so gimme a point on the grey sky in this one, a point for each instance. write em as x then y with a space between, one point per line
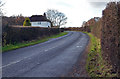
77 11
98 4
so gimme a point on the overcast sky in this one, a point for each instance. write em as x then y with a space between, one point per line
77 11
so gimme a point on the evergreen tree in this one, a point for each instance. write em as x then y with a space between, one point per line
27 22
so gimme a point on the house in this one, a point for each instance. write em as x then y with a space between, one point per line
92 21
96 18
40 20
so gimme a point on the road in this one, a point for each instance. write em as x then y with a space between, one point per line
53 58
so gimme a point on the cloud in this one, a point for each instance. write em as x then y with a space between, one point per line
64 4
102 0
98 4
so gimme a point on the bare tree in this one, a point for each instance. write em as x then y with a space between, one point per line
57 18
1 4
83 24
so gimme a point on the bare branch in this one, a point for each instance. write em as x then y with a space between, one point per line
56 17
1 4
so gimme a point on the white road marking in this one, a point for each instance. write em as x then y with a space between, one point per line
14 62
50 48
46 50
78 46
11 63
25 58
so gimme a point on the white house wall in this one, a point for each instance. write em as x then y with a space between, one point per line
41 24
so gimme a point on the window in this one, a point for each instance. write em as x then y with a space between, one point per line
39 23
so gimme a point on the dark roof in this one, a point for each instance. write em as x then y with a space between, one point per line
34 18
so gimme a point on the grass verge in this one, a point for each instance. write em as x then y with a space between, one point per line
28 43
96 66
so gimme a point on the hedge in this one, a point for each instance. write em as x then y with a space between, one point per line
12 35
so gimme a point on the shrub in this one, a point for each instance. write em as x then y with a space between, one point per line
27 22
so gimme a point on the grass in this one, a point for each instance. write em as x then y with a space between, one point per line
28 43
96 66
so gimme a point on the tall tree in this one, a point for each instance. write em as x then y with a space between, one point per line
57 18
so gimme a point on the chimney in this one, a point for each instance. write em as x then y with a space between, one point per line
44 14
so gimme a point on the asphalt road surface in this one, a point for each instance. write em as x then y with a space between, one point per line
53 58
